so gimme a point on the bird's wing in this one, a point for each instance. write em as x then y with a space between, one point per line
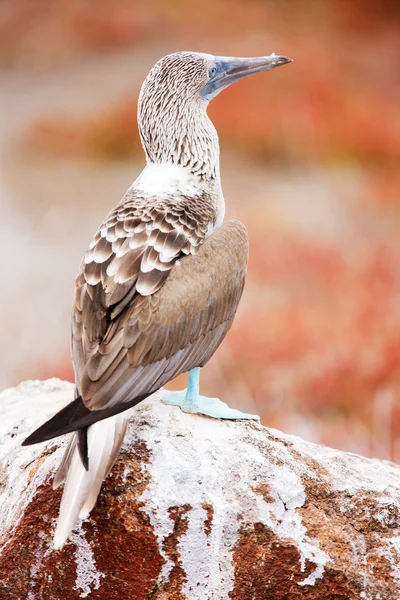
176 326
129 258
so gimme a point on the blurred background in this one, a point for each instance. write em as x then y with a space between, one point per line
310 163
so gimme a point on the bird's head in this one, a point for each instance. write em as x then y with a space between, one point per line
172 118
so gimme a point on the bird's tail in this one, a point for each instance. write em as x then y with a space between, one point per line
104 440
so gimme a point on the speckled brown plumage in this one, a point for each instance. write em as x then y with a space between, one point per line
159 286
126 344
148 303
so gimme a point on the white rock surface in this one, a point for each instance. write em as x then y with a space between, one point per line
197 508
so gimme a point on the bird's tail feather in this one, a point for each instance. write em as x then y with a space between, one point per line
62 470
83 486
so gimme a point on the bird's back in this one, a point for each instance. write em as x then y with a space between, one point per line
128 338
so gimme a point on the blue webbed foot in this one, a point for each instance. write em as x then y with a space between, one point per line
211 407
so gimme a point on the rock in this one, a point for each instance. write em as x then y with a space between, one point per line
197 509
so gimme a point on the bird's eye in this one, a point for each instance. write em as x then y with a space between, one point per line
212 71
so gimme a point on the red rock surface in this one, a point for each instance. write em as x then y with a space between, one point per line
197 509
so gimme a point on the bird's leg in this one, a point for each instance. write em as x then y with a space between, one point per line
192 392
190 401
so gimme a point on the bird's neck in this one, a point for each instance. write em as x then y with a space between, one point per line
182 136
182 154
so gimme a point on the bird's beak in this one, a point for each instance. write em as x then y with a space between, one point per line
225 70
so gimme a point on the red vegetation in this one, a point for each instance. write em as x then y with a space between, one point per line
111 135
331 343
339 101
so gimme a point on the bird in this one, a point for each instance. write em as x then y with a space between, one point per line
160 283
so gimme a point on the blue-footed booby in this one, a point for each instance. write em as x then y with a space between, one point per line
160 284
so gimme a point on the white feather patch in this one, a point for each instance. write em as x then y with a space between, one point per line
164 180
